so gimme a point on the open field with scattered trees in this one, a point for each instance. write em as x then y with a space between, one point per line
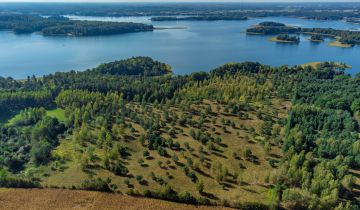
244 135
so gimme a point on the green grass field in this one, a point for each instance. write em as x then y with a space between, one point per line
10 118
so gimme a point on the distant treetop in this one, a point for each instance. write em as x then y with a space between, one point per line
144 66
271 23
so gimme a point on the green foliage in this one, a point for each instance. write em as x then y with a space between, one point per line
285 37
62 26
272 28
94 28
346 37
119 169
8 181
200 186
104 108
97 184
28 116
143 66
40 152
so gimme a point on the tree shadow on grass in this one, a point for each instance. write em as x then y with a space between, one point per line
89 172
228 185
251 190
209 196
219 155
202 173
144 182
274 155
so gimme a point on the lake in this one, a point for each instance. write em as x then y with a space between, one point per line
201 46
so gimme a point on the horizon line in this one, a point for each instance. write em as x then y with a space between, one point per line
182 1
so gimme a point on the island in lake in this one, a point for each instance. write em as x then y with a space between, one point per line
316 38
62 26
201 18
344 38
285 38
270 27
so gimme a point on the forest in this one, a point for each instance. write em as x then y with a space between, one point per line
272 28
244 135
344 36
287 38
319 11
317 38
62 26
199 18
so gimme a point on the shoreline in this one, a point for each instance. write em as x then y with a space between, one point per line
165 28
253 33
337 43
314 40
274 39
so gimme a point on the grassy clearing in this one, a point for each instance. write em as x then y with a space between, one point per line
57 113
12 117
315 64
311 64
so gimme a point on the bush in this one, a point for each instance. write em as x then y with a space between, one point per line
12 182
200 186
40 153
120 170
97 185
139 178
187 198
253 206
247 153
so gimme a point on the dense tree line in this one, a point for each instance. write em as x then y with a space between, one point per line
316 38
288 38
344 36
95 28
143 66
201 18
328 11
61 26
22 99
29 139
272 28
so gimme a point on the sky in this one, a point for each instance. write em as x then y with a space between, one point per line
179 0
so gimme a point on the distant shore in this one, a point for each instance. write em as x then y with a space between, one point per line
337 43
164 28
275 39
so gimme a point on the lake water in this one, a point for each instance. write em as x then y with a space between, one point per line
202 46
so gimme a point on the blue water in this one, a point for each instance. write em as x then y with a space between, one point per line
201 46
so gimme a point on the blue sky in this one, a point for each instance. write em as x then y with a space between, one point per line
179 0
